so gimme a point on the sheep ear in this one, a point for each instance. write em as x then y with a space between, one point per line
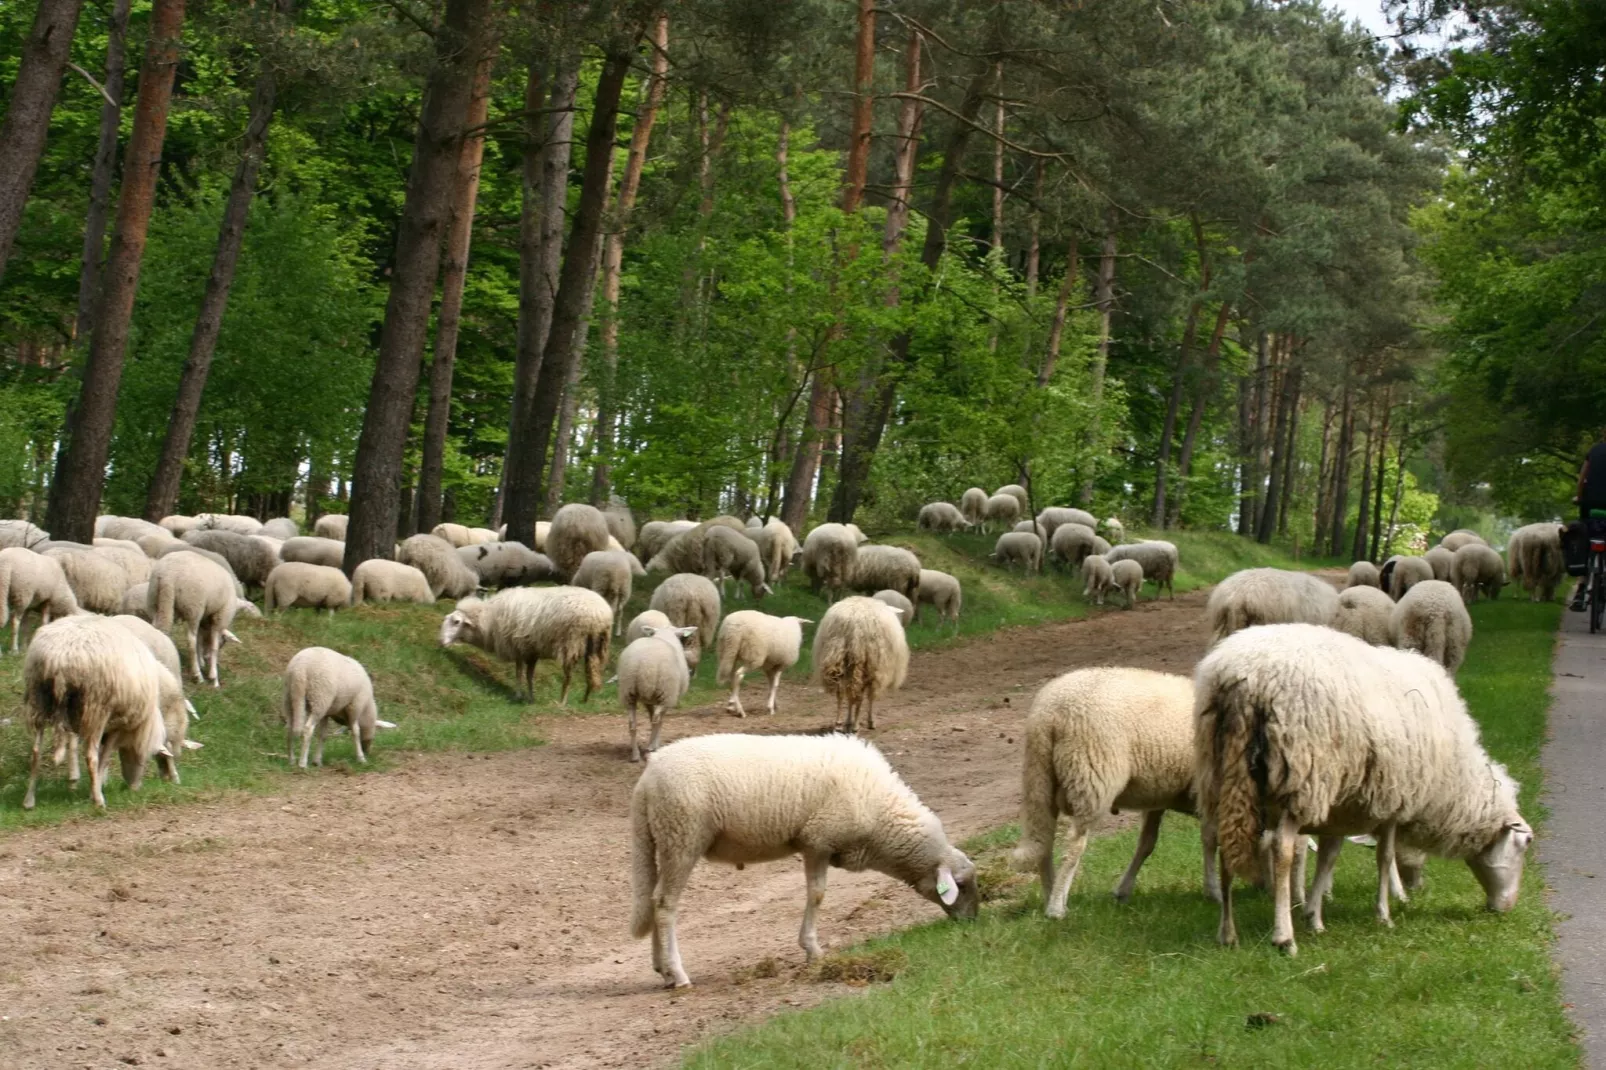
686 633
947 887
384 724
163 752
803 620
191 744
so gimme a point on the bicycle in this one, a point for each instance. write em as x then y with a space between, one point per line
1584 549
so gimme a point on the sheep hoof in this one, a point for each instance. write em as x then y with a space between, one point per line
1289 948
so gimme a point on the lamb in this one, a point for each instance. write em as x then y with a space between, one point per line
607 572
320 686
886 567
331 526
973 504
1128 576
1476 569
576 530
830 556
1432 620
1158 558
314 586
690 601
943 592
941 517
1534 553
1362 574
506 564
905 608
1365 612
1459 538
1071 542
621 525
1439 560
1115 529
740 799
21 534
1268 596
1018 492
1053 517
250 558
859 654
655 535
378 580
1100 546
525 624
777 547
751 640
1019 547
1098 577
1303 730
1100 741
281 528
177 524
27 581
456 534
731 553
649 618
437 559
653 673
1001 508
314 550
1405 574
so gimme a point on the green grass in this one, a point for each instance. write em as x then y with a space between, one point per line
1145 984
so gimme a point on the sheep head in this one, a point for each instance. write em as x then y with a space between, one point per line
462 622
1498 866
951 884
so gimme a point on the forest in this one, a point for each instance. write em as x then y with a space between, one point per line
1196 263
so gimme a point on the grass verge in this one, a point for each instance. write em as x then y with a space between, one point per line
1145 984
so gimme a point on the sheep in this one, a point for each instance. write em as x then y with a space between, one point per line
331 526
751 640
576 530
21 534
477 536
653 673
542 528
1300 729
211 555
690 601
378 580
1365 612
134 601
1268 596
941 517
1158 558
621 525
905 608
943 592
240 525
877 568
1362 574
90 678
1476 569
1432 620
1101 741
859 654
505 564
830 557
97 581
1018 492
1100 546
437 559
648 618
313 550
128 556
1019 547
1459 538
1051 519
177 524
456 534
973 504
1439 560
156 542
655 535
685 551
314 586
1034 528
777 547
754 522
1400 574
281 528
1098 577
27 581
1127 575
740 799
127 528
1116 530
1003 508
1071 542
250 558
1534 553
320 686
156 641
730 553
525 624
607 572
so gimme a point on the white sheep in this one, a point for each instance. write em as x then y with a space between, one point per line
1100 546
751 640
295 584
1432 620
1100 741
576 530
1018 492
1052 517
378 580
97 582
30 580
608 572
331 526
1019 548
456 534
156 641
1071 542
250 558
830 554
313 550
1115 529
1268 596
125 527
684 551
1098 577
281 528
653 674
1127 576
1362 574
743 799
1476 570
177 524
777 547
1158 558
21 533
878 568
1301 729
176 709
240 525
655 535
1459 538
943 592
647 618
128 556
156 542
1002 509
134 600
1034 527
1534 554
1399 574
196 590
905 608
1365 612
524 624
860 653
437 559
323 686
506 564
477 536
690 601
1439 560
731 553
941 517
973 504
621 525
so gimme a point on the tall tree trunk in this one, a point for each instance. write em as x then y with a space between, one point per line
161 497
531 439
1277 470
1201 398
906 148
997 236
613 253
1056 326
461 41
858 164
1034 227
81 462
100 182
454 273
1290 453
1104 295
33 97
1173 407
1399 488
1319 518
1382 463
1362 519
1340 495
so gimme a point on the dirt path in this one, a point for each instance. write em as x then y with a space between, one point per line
470 911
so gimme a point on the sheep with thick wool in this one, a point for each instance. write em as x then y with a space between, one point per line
1126 576
176 709
941 591
506 564
944 518
162 648
1362 574
1018 492
570 625
608 573
742 799
437 559
155 543
323 686
1268 596
973 504
134 600
331 526
21 533
1301 729
684 551
281 528
830 557
730 553
1019 548
576 530
97 581
1400 574
128 556
125 527
777 547
313 550
860 654
1476 570
653 674
1535 560
211 555
1098 577
1432 620
905 608
1113 527
1366 613
1461 537
240 525
621 525
1001 509
28 581
456 534
176 524
293 584
655 535
1099 741
751 640
1071 542
1440 561
1053 517
647 618
1158 558
250 558
690 601
877 567
378 580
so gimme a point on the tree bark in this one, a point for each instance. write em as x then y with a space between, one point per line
910 114
1280 442
1399 487
33 97
1034 229
1340 495
454 273
999 115
100 182
81 462
161 497
1173 407
1056 327
1382 462
1201 398
1290 453
461 41
858 163
1358 549
1104 295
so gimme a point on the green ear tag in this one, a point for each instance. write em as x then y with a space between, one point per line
943 887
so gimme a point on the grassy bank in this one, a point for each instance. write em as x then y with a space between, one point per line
1145 984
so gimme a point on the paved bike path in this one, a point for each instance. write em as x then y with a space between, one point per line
1574 845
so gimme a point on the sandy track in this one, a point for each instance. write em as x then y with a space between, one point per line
469 911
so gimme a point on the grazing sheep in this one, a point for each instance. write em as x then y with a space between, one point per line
777 547
905 608
134 601
1476 570
1100 741
97 582
126 528
943 592
211 555
973 504
1534 553
154 544
1439 560
156 641
648 618
1019 548
1115 529
177 524
331 526
437 559
1098 577
1001 508
1127 575
21 534
653 673
524 624
542 529
751 640
690 601
456 534
754 522
878 568
576 530
320 686
731 553
607 572
621 525
1100 546
1054 516
1018 492
1432 620
1301 729
251 559
1071 542
859 654
941 517
741 799
1400 574
378 580
830 557
477 536
1158 558
295 584
128 556
1268 596
240 525
1362 574
281 528
685 551
1459 538
506 564
313 550
1034 527
28 581
655 535
1365 612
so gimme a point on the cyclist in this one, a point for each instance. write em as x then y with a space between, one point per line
1591 495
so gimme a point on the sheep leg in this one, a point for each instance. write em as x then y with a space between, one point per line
673 873
1207 840
214 643
869 712
775 688
1385 872
734 703
1327 848
657 715
635 756
33 766
1227 931
1285 843
72 760
563 696
16 628
1297 882
317 749
133 767
356 740
1146 841
93 756
816 867
847 725
309 726
1075 844
194 629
